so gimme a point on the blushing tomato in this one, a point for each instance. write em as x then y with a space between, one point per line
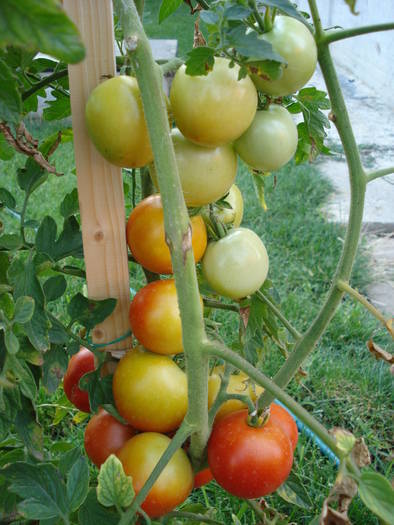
80 364
238 384
214 109
146 236
140 455
206 174
280 417
202 477
270 141
236 265
246 461
116 123
150 391
295 43
105 435
235 200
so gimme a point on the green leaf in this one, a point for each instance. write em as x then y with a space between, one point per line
99 389
40 24
7 305
78 483
294 492
252 45
168 7
19 372
10 98
58 108
259 185
114 487
377 494
253 333
68 459
70 204
24 309
237 12
89 312
11 241
55 287
6 150
92 513
6 198
54 368
28 353
42 490
286 6
4 265
11 342
352 6
201 61
31 176
68 243
29 430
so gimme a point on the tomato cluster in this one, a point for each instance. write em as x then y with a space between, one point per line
218 120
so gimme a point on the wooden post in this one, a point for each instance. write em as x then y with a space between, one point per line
100 186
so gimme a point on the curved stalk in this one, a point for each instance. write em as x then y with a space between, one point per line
341 34
308 341
379 173
290 328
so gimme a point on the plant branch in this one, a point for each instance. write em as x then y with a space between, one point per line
211 303
379 173
44 82
257 15
171 65
294 332
139 4
345 287
71 334
76 272
334 36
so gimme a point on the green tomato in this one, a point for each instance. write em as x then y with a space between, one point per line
295 43
233 216
236 265
214 109
270 141
206 173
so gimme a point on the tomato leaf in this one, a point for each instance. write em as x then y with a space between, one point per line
68 243
92 513
251 45
114 487
54 367
31 176
286 6
24 309
70 204
200 61
6 198
99 389
78 483
58 108
19 373
11 241
54 287
11 341
6 150
29 430
294 492
352 6
168 7
89 312
377 494
10 98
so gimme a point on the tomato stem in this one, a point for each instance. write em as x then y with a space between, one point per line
379 173
334 36
257 15
275 310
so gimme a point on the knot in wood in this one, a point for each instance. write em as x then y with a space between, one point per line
98 334
99 236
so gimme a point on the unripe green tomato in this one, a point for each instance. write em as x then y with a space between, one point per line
236 265
270 141
214 109
206 173
295 43
233 216
116 123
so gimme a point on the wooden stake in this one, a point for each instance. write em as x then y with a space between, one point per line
100 186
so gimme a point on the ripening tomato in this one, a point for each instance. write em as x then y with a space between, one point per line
234 215
150 391
202 477
116 123
238 384
236 265
295 43
280 417
206 174
213 109
140 455
246 461
80 364
146 236
105 435
270 141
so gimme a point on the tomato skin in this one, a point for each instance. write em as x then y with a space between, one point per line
105 435
280 417
235 215
270 141
80 364
206 174
199 103
236 265
295 43
140 455
202 478
246 461
116 123
146 236
150 391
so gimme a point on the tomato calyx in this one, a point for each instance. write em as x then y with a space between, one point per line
257 418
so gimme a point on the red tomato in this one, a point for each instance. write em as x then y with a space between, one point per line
146 236
80 364
202 478
105 435
246 461
139 457
280 417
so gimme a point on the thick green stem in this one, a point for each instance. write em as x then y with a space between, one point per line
334 36
44 82
308 341
176 221
140 4
294 332
212 303
379 173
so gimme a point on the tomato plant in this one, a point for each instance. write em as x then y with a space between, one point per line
105 435
246 461
236 265
139 457
214 109
270 141
150 391
146 236
234 214
80 364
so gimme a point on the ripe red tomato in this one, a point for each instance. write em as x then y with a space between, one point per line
150 391
105 435
280 417
80 364
140 455
203 477
246 461
146 236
